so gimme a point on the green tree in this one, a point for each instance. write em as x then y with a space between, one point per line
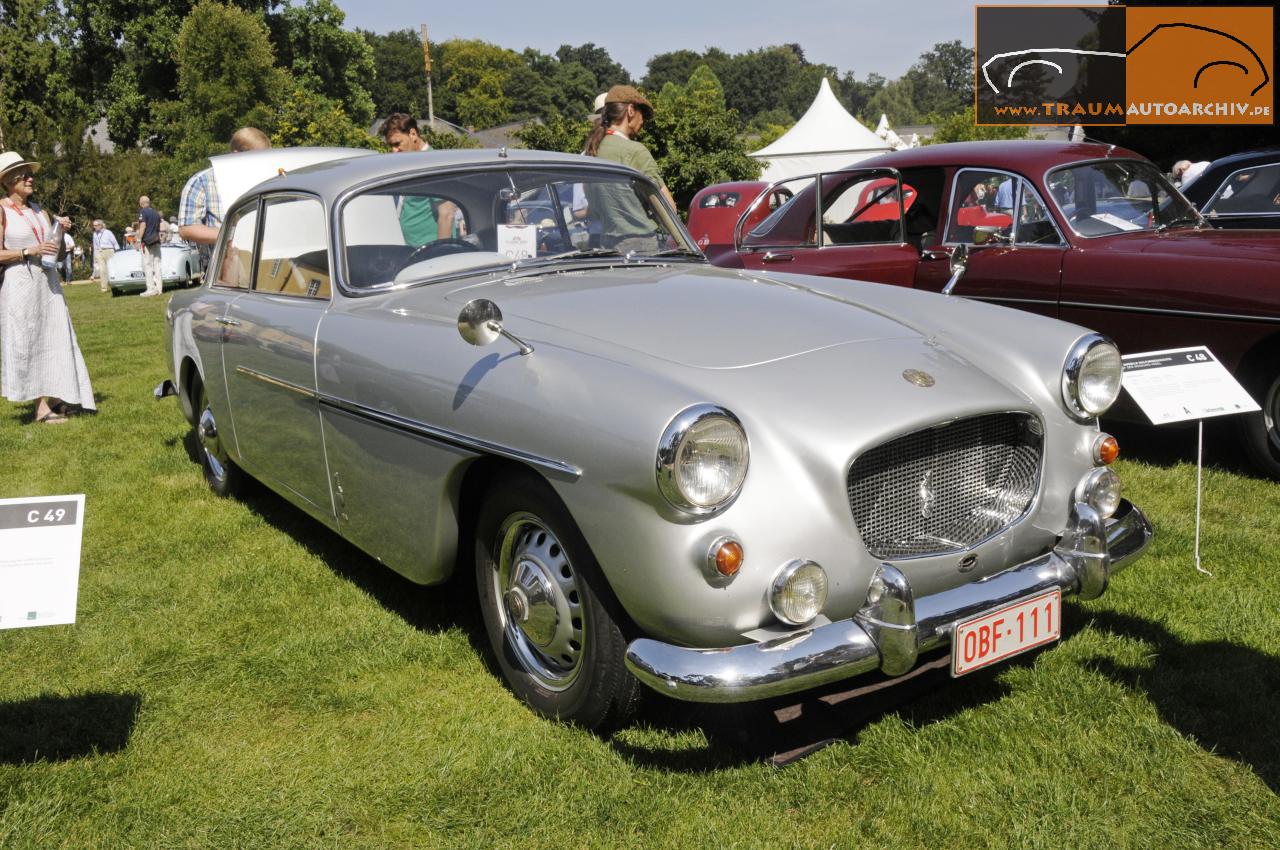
942 79
896 100
597 62
563 134
399 83
325 58
474 75
962 127
306 118
695 137
40 101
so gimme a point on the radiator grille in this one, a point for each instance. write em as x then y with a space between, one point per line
946 488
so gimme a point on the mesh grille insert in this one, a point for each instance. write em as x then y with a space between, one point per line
946 488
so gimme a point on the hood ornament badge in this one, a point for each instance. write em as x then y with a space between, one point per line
927 496
920 379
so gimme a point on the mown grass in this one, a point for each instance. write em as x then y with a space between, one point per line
239 677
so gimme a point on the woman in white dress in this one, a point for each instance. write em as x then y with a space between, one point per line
39 356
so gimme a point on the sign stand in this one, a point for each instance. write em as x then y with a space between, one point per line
1181 384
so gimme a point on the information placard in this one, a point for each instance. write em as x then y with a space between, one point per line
40 560
1182 384
518 241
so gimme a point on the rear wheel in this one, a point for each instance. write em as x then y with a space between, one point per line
550 617
220 473
1261 431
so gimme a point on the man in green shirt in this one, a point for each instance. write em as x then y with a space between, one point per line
422 219
626 226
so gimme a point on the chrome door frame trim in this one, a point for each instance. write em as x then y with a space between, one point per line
448 438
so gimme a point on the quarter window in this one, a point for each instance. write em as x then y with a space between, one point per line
1035 227
235 268
982 206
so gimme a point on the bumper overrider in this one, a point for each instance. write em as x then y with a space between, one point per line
890 633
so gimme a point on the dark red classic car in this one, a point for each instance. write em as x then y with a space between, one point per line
1092 234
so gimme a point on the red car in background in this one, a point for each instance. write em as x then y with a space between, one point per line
1088 233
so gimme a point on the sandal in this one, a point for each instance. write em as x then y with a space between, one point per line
53 417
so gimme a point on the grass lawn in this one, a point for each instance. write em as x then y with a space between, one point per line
240 677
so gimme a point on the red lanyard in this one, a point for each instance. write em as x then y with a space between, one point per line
37 226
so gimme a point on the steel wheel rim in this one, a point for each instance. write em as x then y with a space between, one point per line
1271 415
211 444
539 601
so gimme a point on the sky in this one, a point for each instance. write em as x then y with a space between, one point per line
863 36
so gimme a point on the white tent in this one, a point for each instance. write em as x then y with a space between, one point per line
827 137
892 139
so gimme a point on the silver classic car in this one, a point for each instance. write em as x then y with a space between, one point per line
720 485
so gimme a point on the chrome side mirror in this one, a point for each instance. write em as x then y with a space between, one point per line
480 323
959 262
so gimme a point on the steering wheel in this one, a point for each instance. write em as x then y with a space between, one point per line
438 248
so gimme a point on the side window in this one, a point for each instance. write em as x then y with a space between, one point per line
1035 227
1252 191
293 259
785 219
235 267
982 204
862 208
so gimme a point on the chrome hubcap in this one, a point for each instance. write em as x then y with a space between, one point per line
210 444
541 605
1271 414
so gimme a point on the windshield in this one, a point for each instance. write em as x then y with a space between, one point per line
448 224
1101 198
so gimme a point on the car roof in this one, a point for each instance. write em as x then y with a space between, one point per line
331 178
1024 155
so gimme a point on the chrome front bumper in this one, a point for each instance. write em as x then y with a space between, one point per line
890 634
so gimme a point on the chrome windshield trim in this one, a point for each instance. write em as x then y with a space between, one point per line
297 389
448 438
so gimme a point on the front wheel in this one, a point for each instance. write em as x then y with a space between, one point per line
220 472
550 617
1261 431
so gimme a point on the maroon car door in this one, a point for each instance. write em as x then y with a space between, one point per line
1015 248
862 232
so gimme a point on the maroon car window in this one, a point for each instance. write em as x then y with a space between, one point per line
791 224
1117 196
1250 191
982 205
1034 225
861 208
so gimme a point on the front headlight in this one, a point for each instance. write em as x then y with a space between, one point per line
1091 377
798 593
1100 490
702 459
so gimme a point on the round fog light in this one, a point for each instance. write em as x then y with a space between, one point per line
799 592
1100 489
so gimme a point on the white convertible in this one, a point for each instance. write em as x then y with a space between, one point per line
180 265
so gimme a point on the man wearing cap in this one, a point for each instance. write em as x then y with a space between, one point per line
625 111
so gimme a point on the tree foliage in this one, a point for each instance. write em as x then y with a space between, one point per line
962 127
563 134
326 59
695 137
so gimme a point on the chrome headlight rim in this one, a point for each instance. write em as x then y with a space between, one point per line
783 578
673 437
1072 368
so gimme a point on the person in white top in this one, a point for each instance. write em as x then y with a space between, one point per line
39 357
104 247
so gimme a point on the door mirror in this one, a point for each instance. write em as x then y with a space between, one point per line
959 262
480 323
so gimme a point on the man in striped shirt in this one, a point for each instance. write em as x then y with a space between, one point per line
200 208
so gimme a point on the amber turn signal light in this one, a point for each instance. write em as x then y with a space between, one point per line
1105 449
726 556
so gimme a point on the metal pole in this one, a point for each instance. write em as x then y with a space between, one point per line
426 62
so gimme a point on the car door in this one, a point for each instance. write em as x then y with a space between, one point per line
861 235
268 352
1015 248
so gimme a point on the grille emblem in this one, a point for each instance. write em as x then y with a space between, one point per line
927 497
920 379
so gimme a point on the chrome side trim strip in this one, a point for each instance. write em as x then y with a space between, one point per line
276 382
1252 317
449 438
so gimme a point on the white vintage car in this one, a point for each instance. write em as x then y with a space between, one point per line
180 265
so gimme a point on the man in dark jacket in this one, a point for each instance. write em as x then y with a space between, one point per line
149 244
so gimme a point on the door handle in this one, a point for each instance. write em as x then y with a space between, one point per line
771 257
934 254
223 320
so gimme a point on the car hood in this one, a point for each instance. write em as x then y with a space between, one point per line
1208 242
697 317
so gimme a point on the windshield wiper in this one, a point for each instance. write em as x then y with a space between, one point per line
583 252
673 252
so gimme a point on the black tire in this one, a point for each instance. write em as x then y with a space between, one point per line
220 472
1260 432
551 619
115 293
